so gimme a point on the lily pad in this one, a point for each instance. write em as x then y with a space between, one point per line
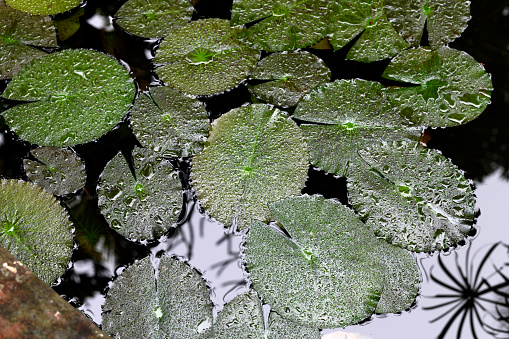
378 40
77 95
291 75
413 197
59 171
43 7
144 207
68 23
352 114
446 19
281 25
175 303
205 57
170 123
153 19
35 228
453 88
254 155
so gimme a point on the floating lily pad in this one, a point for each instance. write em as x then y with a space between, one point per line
153 19
44 7
254 155
69 23
176 305
350 18
77 95
453 88
170 123
352 114
35 228
446 19
145 207
281 25
59 171
205 57
413 197
291 75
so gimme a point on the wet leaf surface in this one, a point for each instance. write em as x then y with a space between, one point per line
44 7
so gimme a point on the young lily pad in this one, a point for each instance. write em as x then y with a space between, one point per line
291 75
350 18
170 123
153 19
446 19
352 114
77 95
175 304
254 155
43 7
205 57
281 25
453 88
59 170
413 197
35 228
144 207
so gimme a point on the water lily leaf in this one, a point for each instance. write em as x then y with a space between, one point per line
43 7
176 304
352 114
453 88
446 19
35 228
285 25
145 207
170 123
291 75
254 155
204 57
77 96
413 197
350 18
60 170
69 23
153 19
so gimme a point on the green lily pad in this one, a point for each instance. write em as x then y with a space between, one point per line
60 170
69 23
77 95
453 88
35 228
205 57
281 25
145 207
43 7
170 123
413 197
176 304
446 19
291 75
254 155
153 19
352 114
350 18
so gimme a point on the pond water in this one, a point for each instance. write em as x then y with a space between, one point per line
480 148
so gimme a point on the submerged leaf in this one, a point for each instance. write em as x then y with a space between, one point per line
44 7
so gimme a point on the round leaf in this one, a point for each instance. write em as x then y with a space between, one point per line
44 7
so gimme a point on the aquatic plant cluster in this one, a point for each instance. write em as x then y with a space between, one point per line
316 262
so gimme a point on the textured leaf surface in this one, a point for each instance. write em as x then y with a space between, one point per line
59 170
44 7
145 207
153 19
352 114
254 155
170 123
285 25
35 228
69 23
291 75
177 305
204 57
453 88
413 197
78 95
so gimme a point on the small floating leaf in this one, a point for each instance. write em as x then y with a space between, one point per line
59 171
291 75
44 7
254 155
69 23
35 228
